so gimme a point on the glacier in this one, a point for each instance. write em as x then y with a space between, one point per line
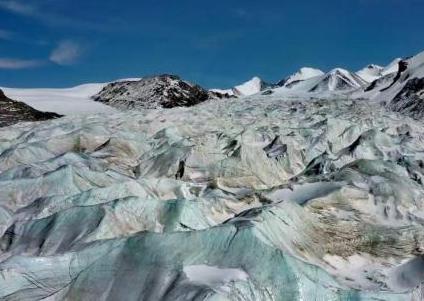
265 197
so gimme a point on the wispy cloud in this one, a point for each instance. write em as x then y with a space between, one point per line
50 17
11 63
19 7
66 53
11 36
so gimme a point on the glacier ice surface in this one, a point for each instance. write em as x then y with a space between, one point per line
258 198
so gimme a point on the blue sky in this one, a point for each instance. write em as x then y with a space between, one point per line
58 43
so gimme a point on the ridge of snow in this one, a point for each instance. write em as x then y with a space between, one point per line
336 80
250 87
223 91
393 67
416 65
370 73
304 73
396 82
354 79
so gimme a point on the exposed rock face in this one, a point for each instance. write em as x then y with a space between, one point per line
402 67
410 100
405 92
381 83
164 91
12 112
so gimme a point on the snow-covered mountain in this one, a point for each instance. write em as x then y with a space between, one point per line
96 97
12 112
410 99
157 91
163 91
301 75
251 87
370 73
374 72
406 93
337 80
391 68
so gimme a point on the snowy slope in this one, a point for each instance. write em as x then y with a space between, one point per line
393 67
301 75
337 80
371 73
70 101
406 94
252 86
407 69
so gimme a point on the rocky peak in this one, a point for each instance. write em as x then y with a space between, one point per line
162 91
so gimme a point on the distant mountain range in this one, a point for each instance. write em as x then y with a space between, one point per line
398 85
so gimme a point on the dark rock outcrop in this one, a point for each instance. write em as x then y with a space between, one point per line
381 83
12 112
163 91
410 100
403 66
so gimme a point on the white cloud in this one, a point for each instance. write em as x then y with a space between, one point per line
66 53
45 14
19 7
10 63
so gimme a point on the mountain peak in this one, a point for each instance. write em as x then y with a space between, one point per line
393 67
161 91
374 66
338 79
252 86
304 73
370 73
338 70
